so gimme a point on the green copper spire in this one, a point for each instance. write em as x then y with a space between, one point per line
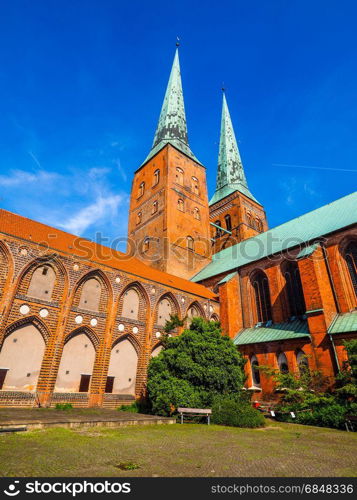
172 128
230 175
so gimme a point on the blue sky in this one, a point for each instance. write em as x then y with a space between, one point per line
82 83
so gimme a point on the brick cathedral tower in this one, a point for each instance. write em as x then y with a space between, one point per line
234 211
169 214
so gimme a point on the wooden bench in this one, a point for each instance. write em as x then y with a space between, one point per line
196 412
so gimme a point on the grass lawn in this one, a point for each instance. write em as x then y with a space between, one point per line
180 450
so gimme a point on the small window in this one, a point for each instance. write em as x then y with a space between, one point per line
190 245
179 176
283 364
146 244
228 221
156 177
351 262
180 205
138 218
259 224
255 371
218 231
141 189
155 207
109 385
302 362
196 214
249 219
194 186
84 383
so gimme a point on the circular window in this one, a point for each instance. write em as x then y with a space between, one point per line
78 319
135 329
121 327
44 313
24 309
158 335
117 280
93 322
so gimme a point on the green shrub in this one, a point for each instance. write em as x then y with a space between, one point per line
139 406
227 410
64 406
328 416
194 368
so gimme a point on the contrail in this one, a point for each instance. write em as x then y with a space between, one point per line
34 159
313 167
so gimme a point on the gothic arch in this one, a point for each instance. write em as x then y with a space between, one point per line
106 288
198 307
156 349
9 262
93 337
347 280
175 308
52 261
131 339
260 298
143 296
29 320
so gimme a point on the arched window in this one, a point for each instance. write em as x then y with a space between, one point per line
164 311
249 219
262 296
180 205
156 177
283 363
146 244
259 224
190 244
255 371
294 289
122 368
90 296
351 262
228 221
42 283
141 189
196 213
179 176
218 231
155 207
138 218
302 362
131 303
194 185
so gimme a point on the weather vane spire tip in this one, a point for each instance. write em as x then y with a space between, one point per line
177 41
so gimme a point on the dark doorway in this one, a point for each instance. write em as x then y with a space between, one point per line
3 372
84 384
109 384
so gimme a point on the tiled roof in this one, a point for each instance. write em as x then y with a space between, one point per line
36 232
302 230
280 331
344 323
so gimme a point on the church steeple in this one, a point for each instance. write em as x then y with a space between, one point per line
230 175
172 127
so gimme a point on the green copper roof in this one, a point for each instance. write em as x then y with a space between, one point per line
227 278
306 251
280 331
344 323
300 231
230 174
172 128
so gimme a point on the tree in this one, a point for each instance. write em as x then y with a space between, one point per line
194 368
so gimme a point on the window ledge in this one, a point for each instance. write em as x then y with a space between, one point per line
255 388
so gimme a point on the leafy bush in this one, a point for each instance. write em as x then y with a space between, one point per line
328 416
139 406
227 410
63 406
194 368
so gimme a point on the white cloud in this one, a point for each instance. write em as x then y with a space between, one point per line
21 177
102 208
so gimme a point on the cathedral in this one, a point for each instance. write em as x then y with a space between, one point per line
79 321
